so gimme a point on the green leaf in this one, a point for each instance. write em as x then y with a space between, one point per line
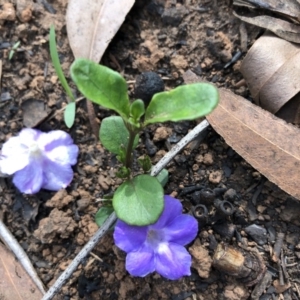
69 114
102 214
145 163
186 102
56 63
16 45
139 201
137 109
163 177
114 134
101 85
123 172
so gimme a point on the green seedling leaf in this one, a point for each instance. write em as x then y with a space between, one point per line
11 54
16 45
186 102
123 172
13 50
101 85
56 64
139 201
145 163
114 134
102 214
137 109
69 114
163 177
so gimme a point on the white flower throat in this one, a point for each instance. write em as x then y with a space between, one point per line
34 150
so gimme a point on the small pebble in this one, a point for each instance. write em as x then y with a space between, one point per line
257 233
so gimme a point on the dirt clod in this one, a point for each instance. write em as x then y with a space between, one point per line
201 260
58 223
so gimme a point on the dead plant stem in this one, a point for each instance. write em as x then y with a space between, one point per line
92 118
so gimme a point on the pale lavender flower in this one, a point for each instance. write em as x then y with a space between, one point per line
39 160
159 247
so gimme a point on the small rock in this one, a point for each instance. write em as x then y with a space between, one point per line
261 208
257 233
235 292
173 15
82 204
215 177
291 212
179 62
201 259
230 195
7 13
280 288
105 182
161 134
208 159
24 10
60 199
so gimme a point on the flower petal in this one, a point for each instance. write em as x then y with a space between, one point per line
30 179
56 176
182 230
55 138
29 136
58 146
141 262
173 261
172 209
129 238
63 154
14 156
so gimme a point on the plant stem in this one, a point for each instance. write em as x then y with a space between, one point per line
92 118
132 135
112 218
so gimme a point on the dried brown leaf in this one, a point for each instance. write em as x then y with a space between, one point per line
272 71
91 25
268 143
289 8
15 283
34 112
283 29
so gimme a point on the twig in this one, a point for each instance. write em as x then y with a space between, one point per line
18 251
92 117
112 218
278 246
179 146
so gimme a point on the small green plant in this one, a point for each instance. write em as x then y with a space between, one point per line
13 50
139 200
69 113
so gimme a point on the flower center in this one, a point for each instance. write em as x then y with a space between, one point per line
155 237
34 150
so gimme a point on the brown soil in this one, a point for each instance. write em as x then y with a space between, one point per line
168 37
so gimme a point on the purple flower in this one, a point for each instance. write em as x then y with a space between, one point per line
39 160
159 247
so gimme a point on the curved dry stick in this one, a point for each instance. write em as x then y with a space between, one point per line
112 218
